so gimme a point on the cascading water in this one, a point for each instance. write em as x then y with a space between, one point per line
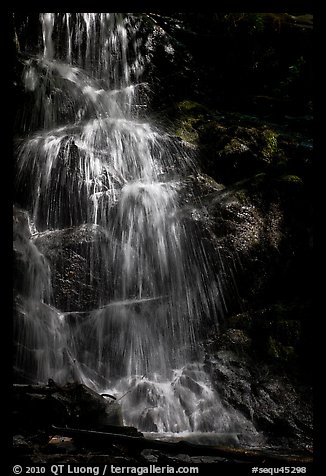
90 157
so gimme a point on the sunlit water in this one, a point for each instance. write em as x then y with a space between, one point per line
90 156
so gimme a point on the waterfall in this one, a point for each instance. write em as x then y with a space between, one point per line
91 157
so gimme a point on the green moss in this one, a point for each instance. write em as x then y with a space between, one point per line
242 321
242 196
273 348
235 146
186 132
190 115
192 107
269 143
277 351
291 179
258 141
232 150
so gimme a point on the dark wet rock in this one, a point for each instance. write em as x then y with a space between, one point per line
77 268
151 456
235 340
21 224
21 445
197 187
259 233
183 459
88 408
156 456
261 366
280 335
74 404
72 282
278 405
74 236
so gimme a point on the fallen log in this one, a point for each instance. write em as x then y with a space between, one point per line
22 388
74 404
182 447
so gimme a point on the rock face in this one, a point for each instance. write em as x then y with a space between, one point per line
257 224
69 252
276 404
56 264
259 233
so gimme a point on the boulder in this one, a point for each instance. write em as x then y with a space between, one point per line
258 232
79 272
37 407
279 408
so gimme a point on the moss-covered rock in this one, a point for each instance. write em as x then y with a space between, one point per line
293 179
227 151
278 335
280 352
233 146
256 365
189 116
279 408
